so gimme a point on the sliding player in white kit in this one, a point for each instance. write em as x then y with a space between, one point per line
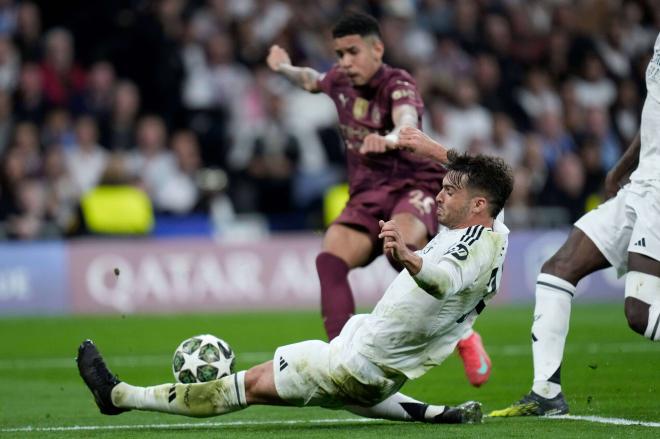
624 233
415 326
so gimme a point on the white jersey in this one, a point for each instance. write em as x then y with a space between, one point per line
419 320
649 154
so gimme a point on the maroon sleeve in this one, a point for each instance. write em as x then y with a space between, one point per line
328 80
402 90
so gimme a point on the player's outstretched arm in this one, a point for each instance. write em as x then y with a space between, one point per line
393 242
413 139
627 162
402 116
305 77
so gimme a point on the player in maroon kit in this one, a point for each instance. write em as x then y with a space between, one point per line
374 102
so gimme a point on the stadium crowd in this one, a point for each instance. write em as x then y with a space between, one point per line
174 97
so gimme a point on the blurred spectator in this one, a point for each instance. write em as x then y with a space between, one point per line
556 141
566 187
86 160
58 128
7 17
61 192
467 120
179 194
30 102
597 124
9 65
26 143
99 92
626 112
64 79
505 142
6 121
28 31
152 162
593 88
265 158
537 96
119 131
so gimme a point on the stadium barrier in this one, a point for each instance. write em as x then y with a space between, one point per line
187 275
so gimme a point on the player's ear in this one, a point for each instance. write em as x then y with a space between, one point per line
378 48
480 204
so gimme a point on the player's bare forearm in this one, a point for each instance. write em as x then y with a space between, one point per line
623 167
402 116
413 139
304 77
393 242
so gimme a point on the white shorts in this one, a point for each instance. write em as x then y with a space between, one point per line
626 223
331 375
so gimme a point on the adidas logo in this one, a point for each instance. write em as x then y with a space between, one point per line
283 364
172 394
640 243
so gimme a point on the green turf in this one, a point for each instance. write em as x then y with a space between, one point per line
608 371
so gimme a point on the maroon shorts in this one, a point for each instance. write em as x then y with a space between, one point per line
364 209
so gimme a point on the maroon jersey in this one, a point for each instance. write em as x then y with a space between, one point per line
368 109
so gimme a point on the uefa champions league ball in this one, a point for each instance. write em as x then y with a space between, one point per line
202 358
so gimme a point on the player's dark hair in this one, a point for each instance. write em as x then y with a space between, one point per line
356 23
487 174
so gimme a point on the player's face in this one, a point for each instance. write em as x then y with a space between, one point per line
454 201
359 57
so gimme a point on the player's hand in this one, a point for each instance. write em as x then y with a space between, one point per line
393 241
414 139
277 57
374 144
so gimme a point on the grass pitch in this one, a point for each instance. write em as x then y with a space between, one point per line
608 372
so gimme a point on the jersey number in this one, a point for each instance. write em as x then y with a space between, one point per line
420 202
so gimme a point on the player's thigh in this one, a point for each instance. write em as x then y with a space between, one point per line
643 280
302 375
351 245
576 258
644 243
599 239
416 213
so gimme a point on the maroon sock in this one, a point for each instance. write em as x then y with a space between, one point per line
396 264
337 304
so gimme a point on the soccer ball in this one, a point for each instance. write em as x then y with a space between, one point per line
202 358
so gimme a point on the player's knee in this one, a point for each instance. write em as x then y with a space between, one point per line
563 266
557 265
641 306
637 314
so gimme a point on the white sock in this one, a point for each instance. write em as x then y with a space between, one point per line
200 399
653 329
393 409
468 333
549 330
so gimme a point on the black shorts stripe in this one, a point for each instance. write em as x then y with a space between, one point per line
546 284
655 328
238 393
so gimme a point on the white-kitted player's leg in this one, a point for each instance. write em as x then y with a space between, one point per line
646 289
600 238
643 279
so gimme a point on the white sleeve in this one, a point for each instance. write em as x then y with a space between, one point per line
451 274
